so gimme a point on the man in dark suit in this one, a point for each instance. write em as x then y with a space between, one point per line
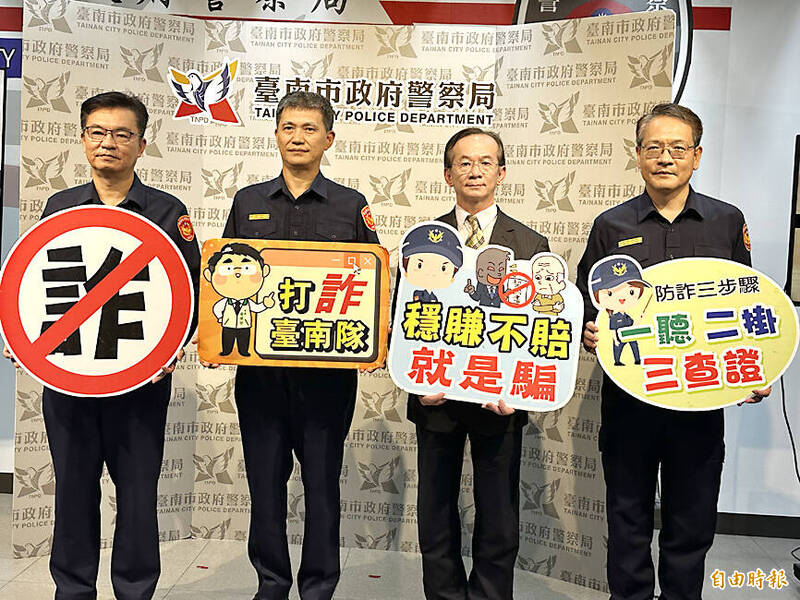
490 268
474 163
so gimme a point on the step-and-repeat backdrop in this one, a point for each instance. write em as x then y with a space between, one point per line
564 96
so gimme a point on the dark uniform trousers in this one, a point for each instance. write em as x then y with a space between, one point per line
636 438
308 412
127 433
495 446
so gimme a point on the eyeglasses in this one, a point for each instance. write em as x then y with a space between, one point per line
675 151
96 134
465 166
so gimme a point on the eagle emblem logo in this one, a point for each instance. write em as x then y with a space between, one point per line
435 236
205 95
619 269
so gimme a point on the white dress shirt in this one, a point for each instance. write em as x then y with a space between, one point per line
486 221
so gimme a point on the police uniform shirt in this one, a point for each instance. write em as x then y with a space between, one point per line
619 320
705 227
159 207
326 212
425 296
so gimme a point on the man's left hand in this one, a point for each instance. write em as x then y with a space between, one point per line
499 409
757 396
380 365
169 368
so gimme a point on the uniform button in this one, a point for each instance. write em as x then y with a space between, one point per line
671 257
333 236
297 207
294 233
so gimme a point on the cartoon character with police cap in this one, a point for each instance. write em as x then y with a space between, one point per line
237 273
617 286
431 257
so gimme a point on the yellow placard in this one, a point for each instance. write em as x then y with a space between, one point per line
693 333
287 303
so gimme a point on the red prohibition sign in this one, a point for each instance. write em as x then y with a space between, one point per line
504 293
32 354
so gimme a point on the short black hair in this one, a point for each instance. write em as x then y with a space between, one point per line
310 101
676 111
116 100
234 248
448 148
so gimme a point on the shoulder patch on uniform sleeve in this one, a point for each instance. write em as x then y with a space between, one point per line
185 228
366 214
746 237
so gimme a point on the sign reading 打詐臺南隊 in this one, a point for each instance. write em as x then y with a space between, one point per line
482 325
692 333
312 304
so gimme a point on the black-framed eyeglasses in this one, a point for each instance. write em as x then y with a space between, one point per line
675 150
97 134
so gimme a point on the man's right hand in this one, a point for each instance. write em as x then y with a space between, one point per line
7 354
469 288
205 364
590 337
433 399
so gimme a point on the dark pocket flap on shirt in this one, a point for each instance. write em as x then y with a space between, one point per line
639 252
712 251
260 228
335 232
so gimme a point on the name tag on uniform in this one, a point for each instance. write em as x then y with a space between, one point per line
630 242
258 216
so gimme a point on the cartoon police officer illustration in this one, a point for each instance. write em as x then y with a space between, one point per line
431 257
237 273
617 286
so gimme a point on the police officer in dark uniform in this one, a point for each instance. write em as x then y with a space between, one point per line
474 163
431 257
669 220
126 431
283 409
611 275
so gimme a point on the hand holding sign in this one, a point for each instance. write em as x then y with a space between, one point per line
170 368
9 356
590 337
499 409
